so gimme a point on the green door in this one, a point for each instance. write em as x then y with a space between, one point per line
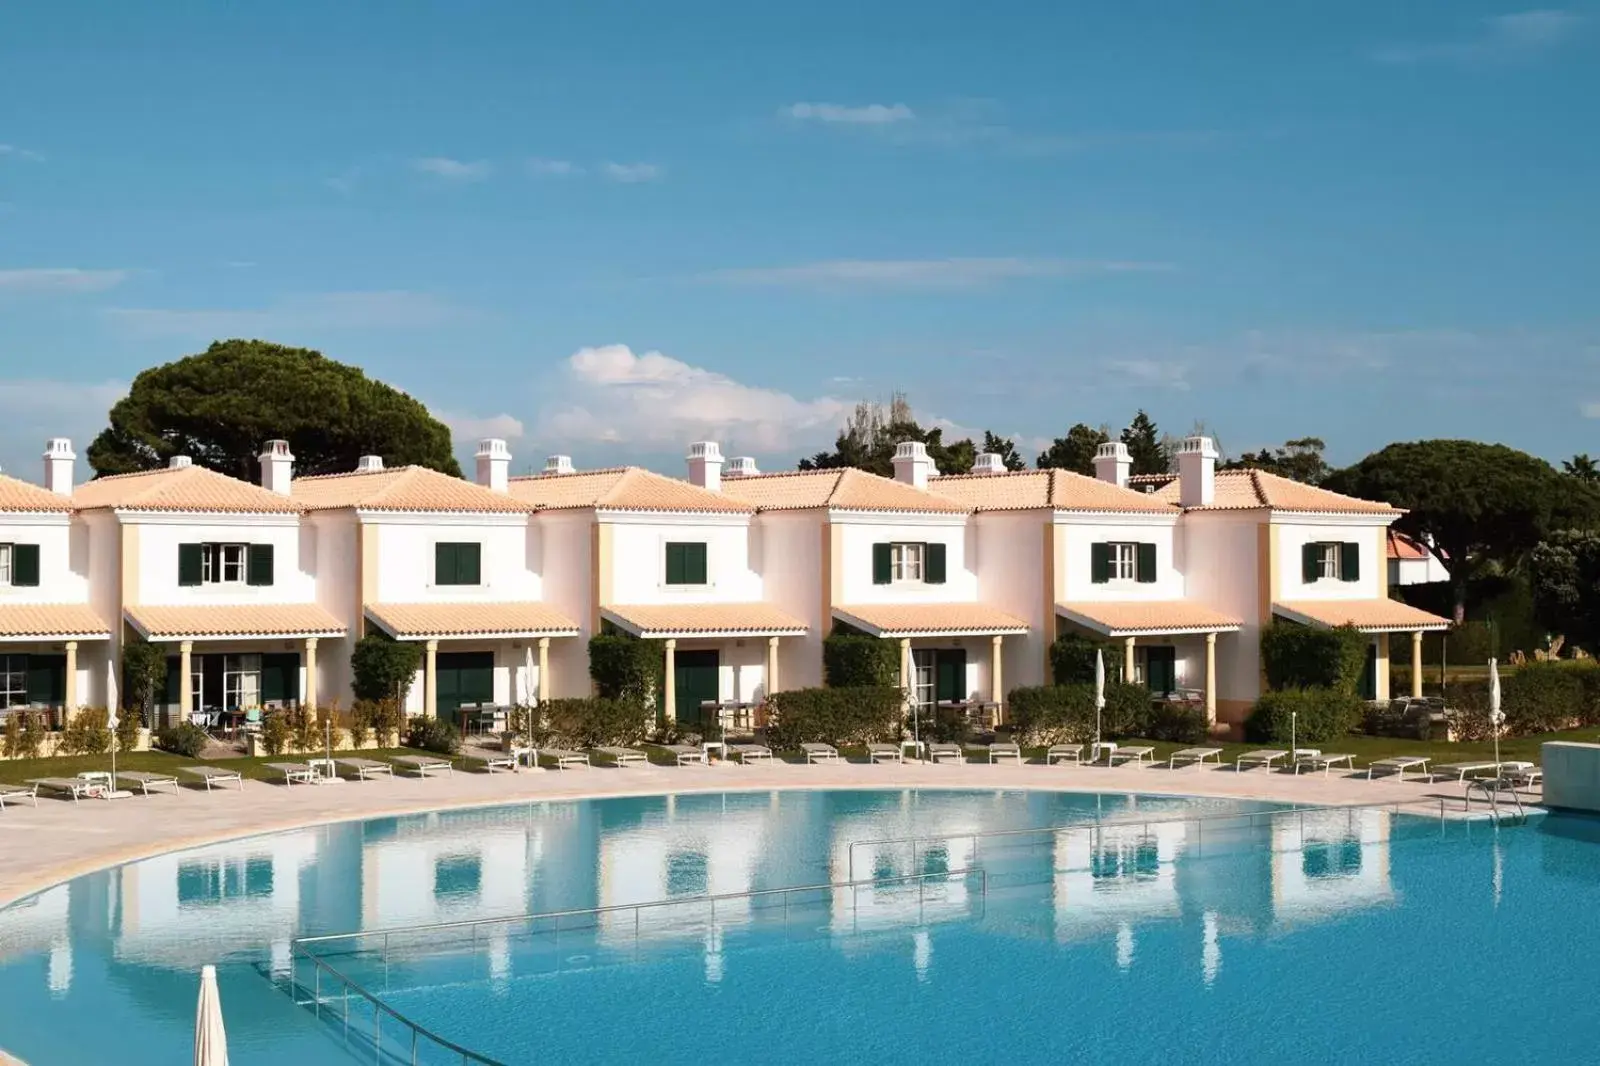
1369 674
463 677
950 681
1161 669
694 679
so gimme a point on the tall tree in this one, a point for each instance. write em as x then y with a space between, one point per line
1564 573
218 408
1582 467
1145 446
1005 448
873 432
1299 460
1075 451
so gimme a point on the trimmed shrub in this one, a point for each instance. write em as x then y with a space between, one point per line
276 732
944 725
854 660
855 715
129 722
359 722
305 728
1303 716
24 735
144 674
433 734
1072 660
1127 712
383 668
1542 697
594 721
627 668
86 733
185 739
1179 723
1296 656
1052 714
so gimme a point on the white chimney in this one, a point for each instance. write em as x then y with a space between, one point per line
58 460
912 465
705 465
1112 463
179 462
369 463
494 464
741 466
1197 472
559 464
988 463
277 466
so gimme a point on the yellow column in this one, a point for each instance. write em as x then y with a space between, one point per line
772 666
1127 662
669 711
1211 677
185 680
905 669
430 680
1416 664
997 689
544 670
72 677
311 671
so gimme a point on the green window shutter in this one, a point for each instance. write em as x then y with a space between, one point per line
445 564
171 691
190 569
950 675
1145 570
280 677
1350 561
469 563
934 564
1310 562
258 564
882 564
25 565
676 564
694 564
47 679
1099 563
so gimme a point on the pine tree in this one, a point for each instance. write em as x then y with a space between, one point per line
1144 446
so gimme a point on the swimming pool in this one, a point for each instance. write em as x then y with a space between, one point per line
1306 938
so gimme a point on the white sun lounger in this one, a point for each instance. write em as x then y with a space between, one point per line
938 753
1138 755
1260 757
215 776
820 752
624 756
885 753
75 787
1197 756
1325 761
1399 764
1072 753
1462 770
749 753
565 759
1005 751
14 793
494 760
1521 774
148 782
687 753
423 765
293 772
366 768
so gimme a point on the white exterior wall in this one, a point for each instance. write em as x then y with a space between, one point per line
1218 554
854 564
63 557
1010 553
338 570
1079 532
1292 536
565 542
509 558
156 568
639 554
789 556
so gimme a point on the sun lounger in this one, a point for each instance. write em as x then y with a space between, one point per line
423 765
1261 757
71 786
1005 751
146 781
293 772
1064 753
938 753
564 758
1399 764
748 753
820 752
215 776
686 753
1521 775
1137 755
624 756
15 792
493 760
885 753
1325 761
1462 770
366 768
1197 756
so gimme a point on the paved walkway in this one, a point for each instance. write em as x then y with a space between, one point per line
60 839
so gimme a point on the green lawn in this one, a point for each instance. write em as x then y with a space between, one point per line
19 771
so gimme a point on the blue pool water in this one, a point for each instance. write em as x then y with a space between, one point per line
1286 938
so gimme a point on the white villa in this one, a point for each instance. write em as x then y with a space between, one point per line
259 591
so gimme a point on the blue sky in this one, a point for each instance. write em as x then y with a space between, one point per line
609 229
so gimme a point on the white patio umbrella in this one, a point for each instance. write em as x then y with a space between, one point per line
1496 715
1099 697
527 677
210 1039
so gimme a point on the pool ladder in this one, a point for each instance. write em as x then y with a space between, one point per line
1492 787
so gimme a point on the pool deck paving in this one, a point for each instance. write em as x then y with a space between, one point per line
61 839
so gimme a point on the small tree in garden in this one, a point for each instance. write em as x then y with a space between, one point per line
855 660
144 673
383 668
626 668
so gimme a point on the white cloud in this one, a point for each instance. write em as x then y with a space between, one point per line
862 115
325 311
453 169
554 168
12 151
1510 38
60 279
1591 409
1154 373
32 410
955 273
631 173
613 394
473 428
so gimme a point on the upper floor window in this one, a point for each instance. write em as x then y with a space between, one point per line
1330 561
19 564
686 563
1122 561
457 563
225 564
908 563
222 564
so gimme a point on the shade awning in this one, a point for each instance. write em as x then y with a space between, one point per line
466 621
689 620
51 621
263 621
903 620
1369 616
1132 618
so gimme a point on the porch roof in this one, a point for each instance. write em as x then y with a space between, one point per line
1369 616
51 621
1151 618
253 621
466 621
902 620
690 620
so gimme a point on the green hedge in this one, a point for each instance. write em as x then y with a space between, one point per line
854 660
185 738
433 734
1064 714
624 667
595 721
1296 656
383 668
1179 723
1318 714
1542 697
855 715
1072 660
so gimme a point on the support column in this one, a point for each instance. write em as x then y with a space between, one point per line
185 679
1416 664
311 671
1211 678
1127 662
669 710
997 688
772 666
71 696
905 668
430 680
544 670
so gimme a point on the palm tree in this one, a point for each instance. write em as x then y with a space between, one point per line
1582 467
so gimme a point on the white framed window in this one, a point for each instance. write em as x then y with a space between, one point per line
241 681
1124 561
906 562
222 564
5 564
13 680
1328 561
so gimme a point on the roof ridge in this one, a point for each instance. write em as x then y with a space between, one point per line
543 474
969 474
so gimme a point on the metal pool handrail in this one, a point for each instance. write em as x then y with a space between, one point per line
419 1034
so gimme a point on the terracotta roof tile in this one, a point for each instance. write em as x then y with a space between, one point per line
51 621
704 619
1247 489
845 489
929 619
1400 546
1126 618
1061 490
432 621
404 488
188 488
213 621
16 495
1371 616
627 488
